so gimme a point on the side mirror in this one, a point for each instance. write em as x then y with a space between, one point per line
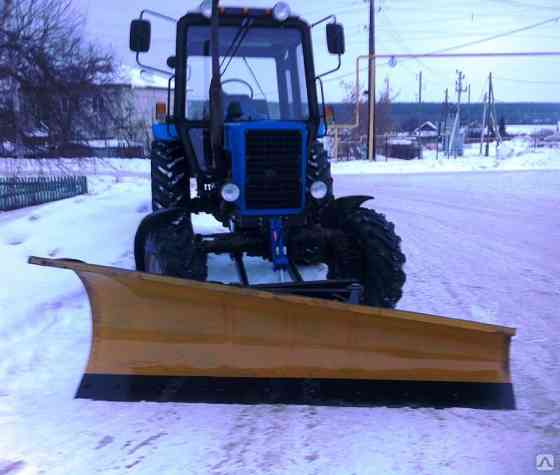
335 38
171 62
140 36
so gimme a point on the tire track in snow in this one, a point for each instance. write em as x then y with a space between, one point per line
237 441
264 438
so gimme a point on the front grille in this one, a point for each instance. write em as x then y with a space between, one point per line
273 167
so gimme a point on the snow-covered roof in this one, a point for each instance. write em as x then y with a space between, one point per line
427 126
110 143
137 77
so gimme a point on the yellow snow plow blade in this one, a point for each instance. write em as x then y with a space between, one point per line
167 339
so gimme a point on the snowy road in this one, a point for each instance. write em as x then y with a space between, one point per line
482 246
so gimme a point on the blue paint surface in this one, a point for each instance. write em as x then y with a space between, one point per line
278 244
164 132
234 142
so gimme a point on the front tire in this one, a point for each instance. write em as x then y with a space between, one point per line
165 244
368 250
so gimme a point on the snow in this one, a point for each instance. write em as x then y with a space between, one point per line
114 143
528 129
481 246
113 167
512 156
137 77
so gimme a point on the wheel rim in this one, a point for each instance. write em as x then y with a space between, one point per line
152 263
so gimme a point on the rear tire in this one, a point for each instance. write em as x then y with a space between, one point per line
165 244
170 178
369 251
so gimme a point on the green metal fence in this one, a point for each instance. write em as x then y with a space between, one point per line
16 192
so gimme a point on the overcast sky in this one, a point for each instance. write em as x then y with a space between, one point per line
402 26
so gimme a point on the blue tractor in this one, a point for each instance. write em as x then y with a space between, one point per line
243 122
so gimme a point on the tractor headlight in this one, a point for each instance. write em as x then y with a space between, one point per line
206 8
230 192
281 11
319 190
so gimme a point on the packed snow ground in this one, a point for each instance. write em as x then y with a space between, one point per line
481 246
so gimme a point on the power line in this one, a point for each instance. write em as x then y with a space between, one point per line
399 40
499 35
472 43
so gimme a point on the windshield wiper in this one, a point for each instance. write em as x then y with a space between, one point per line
233 42
254 77
236 43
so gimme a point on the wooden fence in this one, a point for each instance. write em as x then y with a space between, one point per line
19 192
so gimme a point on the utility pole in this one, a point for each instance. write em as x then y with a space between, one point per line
494 114
490 117
445 116
488 106
371 83
484 120
469 94
459 89
420 87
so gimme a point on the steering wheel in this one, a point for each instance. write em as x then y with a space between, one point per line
241 81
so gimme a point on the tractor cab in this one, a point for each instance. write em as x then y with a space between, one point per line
267 106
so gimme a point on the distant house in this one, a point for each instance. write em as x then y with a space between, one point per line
114 119
427 129
146 91
125 113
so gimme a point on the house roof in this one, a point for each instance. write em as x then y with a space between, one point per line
428 126
129 76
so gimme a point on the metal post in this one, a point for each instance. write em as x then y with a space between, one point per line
371 82
445 116
457 124
493 115
483 129
460 89
487 150
335 154
386 147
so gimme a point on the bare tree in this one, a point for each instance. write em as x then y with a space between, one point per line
353 141
57 71
127 124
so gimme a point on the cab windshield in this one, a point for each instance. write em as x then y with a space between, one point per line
262 73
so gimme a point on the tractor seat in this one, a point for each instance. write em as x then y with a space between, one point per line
239 108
